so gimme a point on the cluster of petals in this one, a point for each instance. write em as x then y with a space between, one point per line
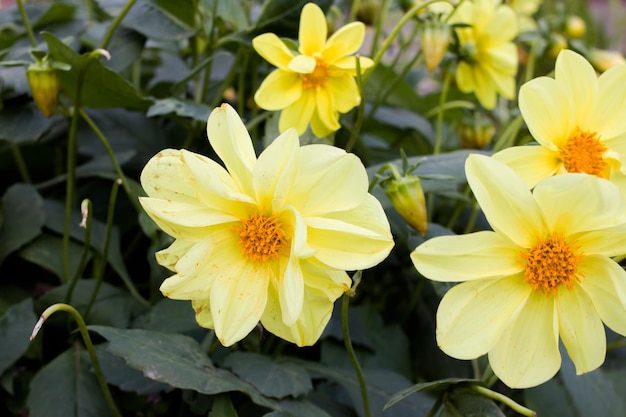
496 310
264 239
316 83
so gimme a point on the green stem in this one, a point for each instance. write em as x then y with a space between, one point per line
21 165
616 344
86 210
433 410
26 22
507 138
350 349
359 114
88 344
380 21
442 99
109 35
471 222
518 408
354 8
99 275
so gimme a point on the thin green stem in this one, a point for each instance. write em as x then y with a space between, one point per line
21 165
380 21
507 138
99 275
354 8
88 344
436 406
518 408
118 19
471 222
616 344
442 99
350 349
26 22
87 214
359 114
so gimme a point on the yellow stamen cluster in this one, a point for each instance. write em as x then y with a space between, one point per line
260 237
552 262
583 152
317 78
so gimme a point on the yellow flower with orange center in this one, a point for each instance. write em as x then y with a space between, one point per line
545 272
265 239
316 83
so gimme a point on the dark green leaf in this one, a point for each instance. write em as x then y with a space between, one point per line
66 387
23 217
222 407
156 22
283 16
298 408
23 123
171 316
125 48
550 400
277 380
16 325
441 384
184 108
56 12
47 252
469 405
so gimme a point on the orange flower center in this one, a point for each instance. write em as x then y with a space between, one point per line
317 78
552 262
261 237
583 152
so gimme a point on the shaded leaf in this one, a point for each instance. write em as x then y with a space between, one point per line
222 407
184 108
470 405
170 316
16 325
47 252
298 408
23 124
154 21
440 385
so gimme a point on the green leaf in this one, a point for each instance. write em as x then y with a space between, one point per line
66 387
184 108
470 405
277 380
23 123
47 252
23 217
56 12
154 21
170 316
440 385
16 325
283 16
298 408
176 360
102 87
223 407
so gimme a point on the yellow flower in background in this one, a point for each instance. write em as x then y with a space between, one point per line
488 55
525 9
544 272
578 120
316 84
267 239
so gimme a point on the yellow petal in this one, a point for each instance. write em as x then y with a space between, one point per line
467 257
527 353
502 26
346 41
291 291
604 281
607 242
231 142
574 74
472 78
344 91
203 313
607 117
505 200
325 118
170 256
165 176
348 64
279 90
472 315
192 281
270 47
581 329
313 29
532 163
298 114
302 64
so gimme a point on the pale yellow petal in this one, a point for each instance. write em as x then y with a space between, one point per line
472 78
192 280
325 118
279 90
472 315
346 41
505 200
575 75
532 163
270 47
353 239
607 242
581 329
291 291
604 281
608 115
527 353
203 313
344 91
313 29
502 27
348 64
170 256
333 283
502 58
302 64
231 142
467 257
165 176
298 114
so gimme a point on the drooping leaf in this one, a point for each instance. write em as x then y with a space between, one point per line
184 108
222 407
277 380
23 123
298 408
16 325
47 252
441 384
167 315
154 21
23 217
470 405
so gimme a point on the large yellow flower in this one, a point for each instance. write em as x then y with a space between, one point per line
488 55
265 239
544 271
577 118
317 84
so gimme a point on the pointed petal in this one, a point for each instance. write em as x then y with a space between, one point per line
578 78
505 200
346 41
279 90
313 29
325 119
272 49
581 329
502 25
191 281
348 64
472 315
607 117
291 291
231 141
345 92
467 257
170 256
607 242
203 313
302 64
527 353
532 163
298 114
165 176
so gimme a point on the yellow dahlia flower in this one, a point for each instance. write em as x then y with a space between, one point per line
577 118
267 239
316 84
544 271
488 55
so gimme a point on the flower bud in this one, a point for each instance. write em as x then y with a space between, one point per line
407 197
603 59
557 44
575 26
434 42
368 11
476 131
45 85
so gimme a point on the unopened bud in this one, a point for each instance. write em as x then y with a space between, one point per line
368 11
476 131
603 59
407 197
557 44
434 42
45 85
575 26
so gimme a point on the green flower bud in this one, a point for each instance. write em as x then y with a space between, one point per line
476 131
434 42
407 197
45 85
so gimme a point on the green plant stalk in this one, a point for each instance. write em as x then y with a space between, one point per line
88 217
99 275
88 344
518 408
354 8
380 21
433 411
26 22
118 19
361 109
345 302
442 99
241 85
21 165
471 222
507 137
